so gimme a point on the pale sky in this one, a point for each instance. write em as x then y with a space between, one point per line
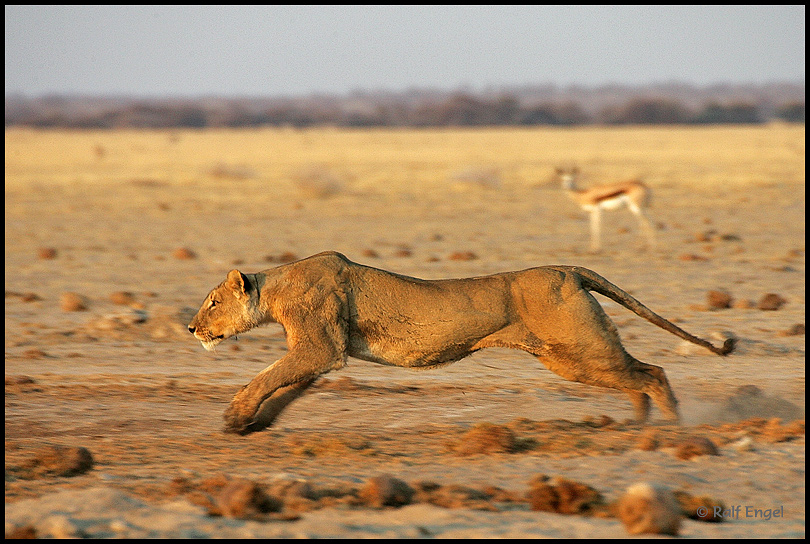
300 50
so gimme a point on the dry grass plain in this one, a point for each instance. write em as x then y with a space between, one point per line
142 224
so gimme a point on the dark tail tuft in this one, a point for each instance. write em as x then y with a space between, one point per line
728 346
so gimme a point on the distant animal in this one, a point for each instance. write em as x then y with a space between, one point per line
610 196
332 308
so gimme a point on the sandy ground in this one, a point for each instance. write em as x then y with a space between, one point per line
124 379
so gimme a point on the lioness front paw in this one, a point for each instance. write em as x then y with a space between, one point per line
237 423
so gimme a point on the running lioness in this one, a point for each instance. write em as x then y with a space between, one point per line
332 308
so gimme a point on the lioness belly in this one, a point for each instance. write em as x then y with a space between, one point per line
408 354
412 343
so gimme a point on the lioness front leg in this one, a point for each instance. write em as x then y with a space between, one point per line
236 416
258 403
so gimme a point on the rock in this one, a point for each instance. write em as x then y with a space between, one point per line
775 431
691 257
705 236
386 490
486 438
57 461
244 499
562 496
184 254
72 302
122 298
286 486
649 509
19 380
456 496
771 302
695 446
47 253
21 531
574 497
718 300
284 257
794 330
462 256
34 353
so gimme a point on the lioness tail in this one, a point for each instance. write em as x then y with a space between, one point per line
594 282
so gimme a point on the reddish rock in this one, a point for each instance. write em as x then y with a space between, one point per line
386 490
771 302
244 499
695 446
54 461
563 496
718 300
463 256
47 253
184 254
487 438
72 302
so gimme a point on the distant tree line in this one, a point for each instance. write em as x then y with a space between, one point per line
450 110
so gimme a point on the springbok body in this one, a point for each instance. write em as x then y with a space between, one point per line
611 196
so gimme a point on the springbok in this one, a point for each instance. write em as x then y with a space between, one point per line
610 196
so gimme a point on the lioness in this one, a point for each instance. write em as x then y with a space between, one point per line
332 308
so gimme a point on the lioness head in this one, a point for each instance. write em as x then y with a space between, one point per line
228 310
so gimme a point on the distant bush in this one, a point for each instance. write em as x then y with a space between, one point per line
644 111
461 109
718 114
793 113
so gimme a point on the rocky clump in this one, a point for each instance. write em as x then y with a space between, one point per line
563 496
47 253
719 300
462 256
649 509
184 254
55 461
486 438
385 490
771 302
695 446
244 499
72 302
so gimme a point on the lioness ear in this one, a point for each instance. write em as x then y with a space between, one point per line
236 281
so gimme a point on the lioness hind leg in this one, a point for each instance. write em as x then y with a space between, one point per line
656 386
621 371
641 405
